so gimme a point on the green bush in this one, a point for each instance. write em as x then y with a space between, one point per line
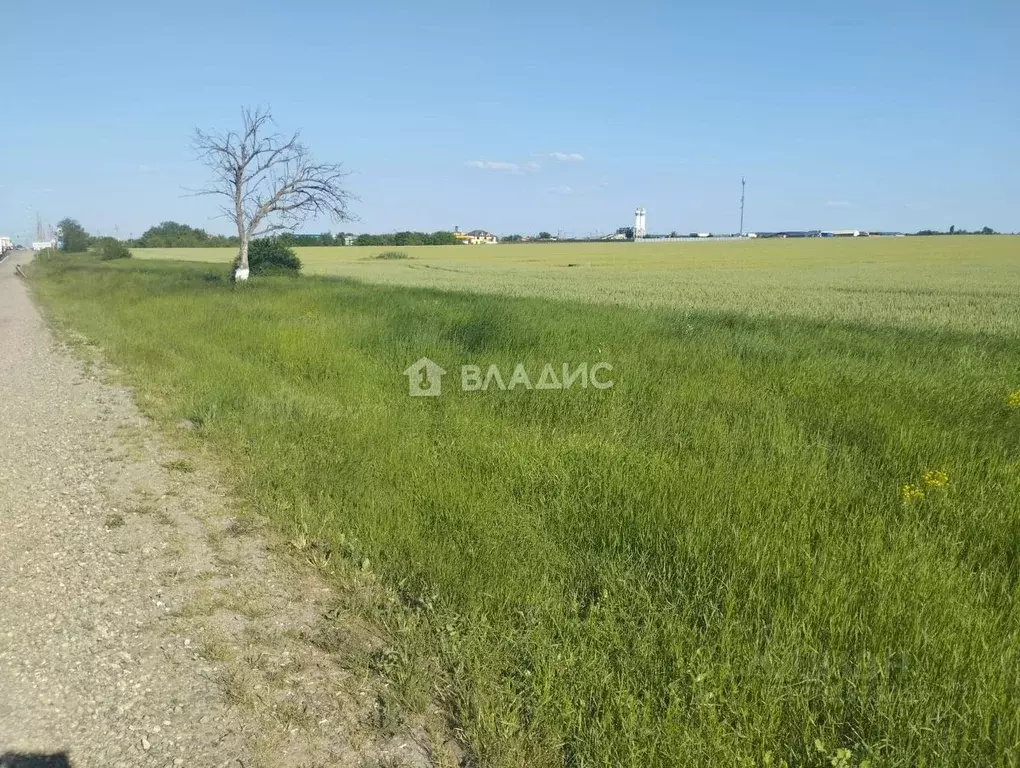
109 249
268 256
392 255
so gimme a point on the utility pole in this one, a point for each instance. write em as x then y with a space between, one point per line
743 183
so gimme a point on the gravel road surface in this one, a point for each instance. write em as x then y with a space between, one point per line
84 668
140 624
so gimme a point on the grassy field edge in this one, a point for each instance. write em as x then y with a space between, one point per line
610 548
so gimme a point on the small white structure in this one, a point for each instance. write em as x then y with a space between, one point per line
640 229
43 245
5 244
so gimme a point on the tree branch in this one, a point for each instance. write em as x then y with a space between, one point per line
271 181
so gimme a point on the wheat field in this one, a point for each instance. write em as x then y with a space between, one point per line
956 283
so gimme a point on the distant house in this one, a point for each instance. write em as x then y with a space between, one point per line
481 237
476 237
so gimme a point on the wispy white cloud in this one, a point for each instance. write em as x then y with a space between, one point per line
505 167
563 190
837 204
494 165
143 168
567 157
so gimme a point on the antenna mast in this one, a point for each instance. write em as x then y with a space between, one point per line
743 183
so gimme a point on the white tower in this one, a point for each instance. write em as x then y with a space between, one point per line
639 223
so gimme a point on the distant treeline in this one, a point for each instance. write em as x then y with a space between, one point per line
171 234
954 231
408 238
326 238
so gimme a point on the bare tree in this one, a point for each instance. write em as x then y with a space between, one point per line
272 183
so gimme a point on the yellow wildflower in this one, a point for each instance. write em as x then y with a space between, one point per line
1013 401
936 478
911 493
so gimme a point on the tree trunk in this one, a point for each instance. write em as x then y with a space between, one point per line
241 273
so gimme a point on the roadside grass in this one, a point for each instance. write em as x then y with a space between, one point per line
714 562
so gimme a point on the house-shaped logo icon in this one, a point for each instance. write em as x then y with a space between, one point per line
425 378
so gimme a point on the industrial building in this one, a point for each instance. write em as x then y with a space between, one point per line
639 233
640 224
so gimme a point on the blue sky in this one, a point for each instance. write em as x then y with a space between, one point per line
523 116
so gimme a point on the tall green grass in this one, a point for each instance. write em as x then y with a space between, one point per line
710 563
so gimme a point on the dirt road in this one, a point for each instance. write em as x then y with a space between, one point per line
140 623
